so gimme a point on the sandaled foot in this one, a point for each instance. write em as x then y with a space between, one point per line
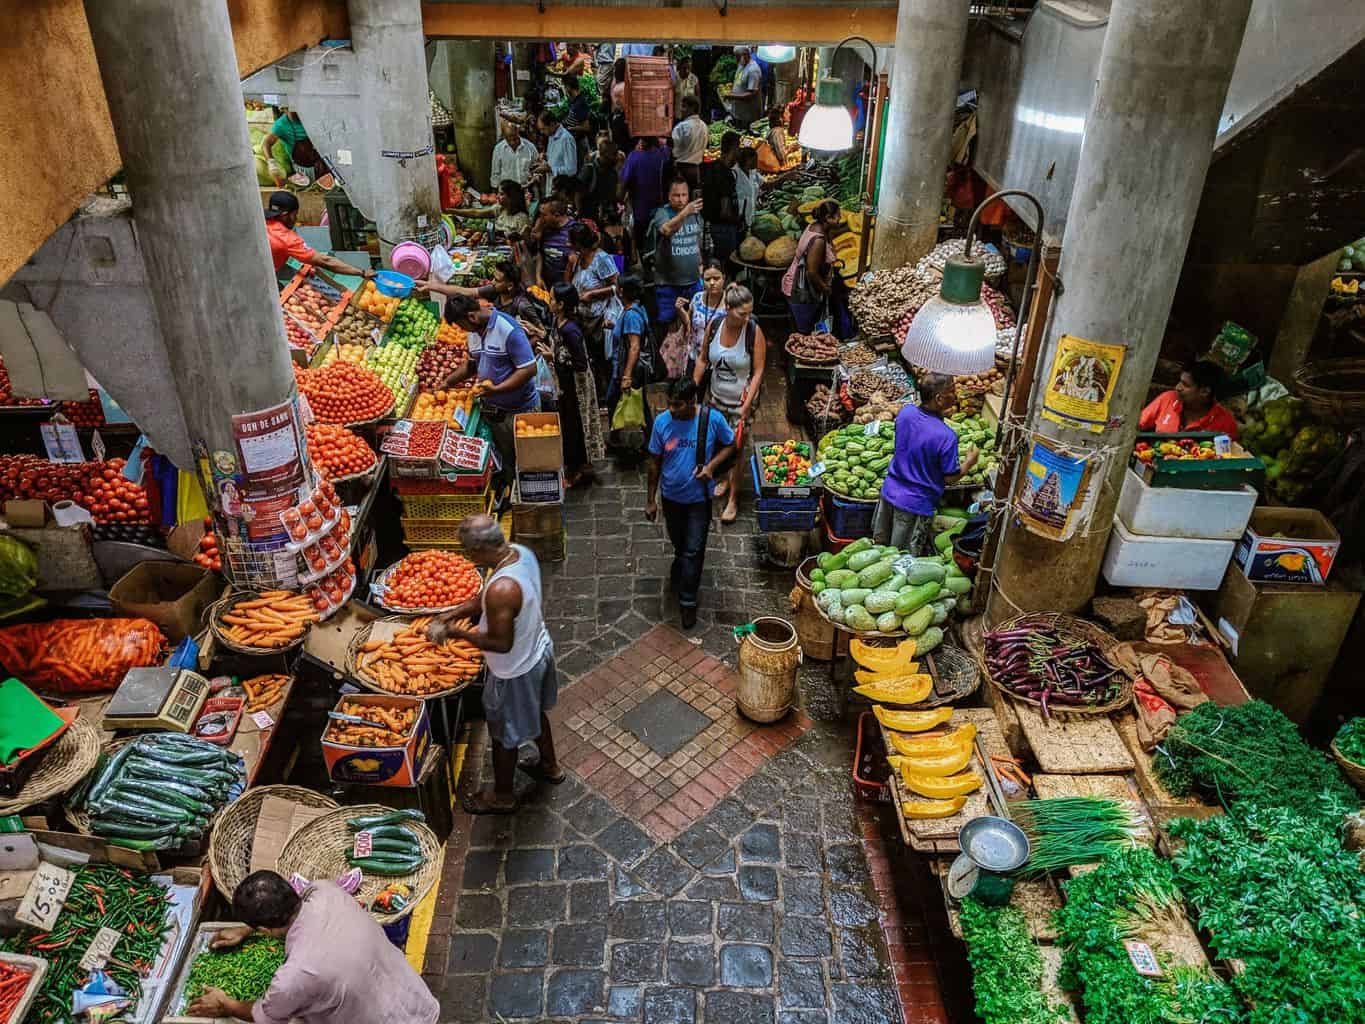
722 489
485 802
730 514
538 771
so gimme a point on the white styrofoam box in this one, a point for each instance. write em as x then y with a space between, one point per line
1186 563
1178 512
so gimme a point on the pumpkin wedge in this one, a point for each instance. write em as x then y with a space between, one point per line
942 743
938 762
882 659
933 808
863 675
911 721
898 689
941 787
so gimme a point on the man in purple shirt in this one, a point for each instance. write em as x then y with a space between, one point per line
642 181
924 463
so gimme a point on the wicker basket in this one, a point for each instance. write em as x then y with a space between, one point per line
362 637
1079 628
71 759
224 605
383 578
318 851
1333 389
956 676
1353 771
231 839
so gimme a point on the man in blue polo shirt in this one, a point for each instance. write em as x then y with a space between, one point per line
506 366
688 483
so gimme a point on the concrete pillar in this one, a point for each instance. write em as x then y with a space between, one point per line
1163 75
473 103
1302 314
930 36
192 177
392 77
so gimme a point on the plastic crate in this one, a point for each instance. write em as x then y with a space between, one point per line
431 533
766 490
789 521
447 483
870 750
445 507
847 517
540 488
834 543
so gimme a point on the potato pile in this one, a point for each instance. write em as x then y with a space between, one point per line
867 384
356 328
881 300
879 407
823 402
818 348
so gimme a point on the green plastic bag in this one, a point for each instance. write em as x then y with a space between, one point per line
628 421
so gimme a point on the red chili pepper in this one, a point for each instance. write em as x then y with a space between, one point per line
99 902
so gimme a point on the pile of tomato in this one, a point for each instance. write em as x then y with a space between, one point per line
85 414
208 556
432 579
344 393
99 487
338 452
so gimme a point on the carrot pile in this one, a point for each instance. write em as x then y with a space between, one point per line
263 692
274 619
79 655
411 664
390 726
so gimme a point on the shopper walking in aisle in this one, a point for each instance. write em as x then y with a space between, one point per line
514 158
642 182
561 151
706 305
501 357
594 275
687 446
580 420
522 683
809 279
746 95
598 179
689 142
507 292
731 358
924 463
578 118
632 343
675 240
720 204
280 217
550 240
339 967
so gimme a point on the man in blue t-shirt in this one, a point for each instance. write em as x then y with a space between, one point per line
503 360
687 479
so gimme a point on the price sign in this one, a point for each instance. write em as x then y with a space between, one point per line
817 470
364 844
97 447
872 429
45 897
263 719
101 949
1143 959
62 442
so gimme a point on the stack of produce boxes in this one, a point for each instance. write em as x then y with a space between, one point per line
538 503
441 476
788 497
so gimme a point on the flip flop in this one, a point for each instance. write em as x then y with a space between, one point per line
478 804
537 771
721 489
727 522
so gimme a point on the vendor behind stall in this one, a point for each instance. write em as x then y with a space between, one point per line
284 241
1192 406
924 463
339 968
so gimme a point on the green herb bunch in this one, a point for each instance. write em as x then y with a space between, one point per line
1129 889
1279 892
1250 753
1351 740
243 972
1007 969
1070 830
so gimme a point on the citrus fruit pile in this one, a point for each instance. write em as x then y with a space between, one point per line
432 579
337 452
343 393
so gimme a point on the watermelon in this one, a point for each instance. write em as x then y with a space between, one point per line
766 228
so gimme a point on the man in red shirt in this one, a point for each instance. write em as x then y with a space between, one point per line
280 216
1192 406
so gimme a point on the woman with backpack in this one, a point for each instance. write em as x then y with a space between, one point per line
810 277
632 343
729 372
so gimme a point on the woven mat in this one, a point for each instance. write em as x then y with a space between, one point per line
1074 744
1052 966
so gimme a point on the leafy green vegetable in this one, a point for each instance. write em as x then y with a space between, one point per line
1280 893
1073 830
1351 740
723 70
1007 969
1251 753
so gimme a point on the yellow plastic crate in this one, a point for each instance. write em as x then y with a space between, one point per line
452 507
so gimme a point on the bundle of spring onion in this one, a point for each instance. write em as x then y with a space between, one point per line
1075 830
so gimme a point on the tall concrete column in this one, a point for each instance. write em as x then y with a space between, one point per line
170 75
473 102
391 63
1163 75
930 36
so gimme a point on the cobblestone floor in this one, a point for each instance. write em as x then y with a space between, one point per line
695 868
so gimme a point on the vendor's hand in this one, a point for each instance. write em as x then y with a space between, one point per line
681 305
213 1003
970 461
439 631
651 510
230 937
367 274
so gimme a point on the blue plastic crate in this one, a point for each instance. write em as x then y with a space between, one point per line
848 518
786 521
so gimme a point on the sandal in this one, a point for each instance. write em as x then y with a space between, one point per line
727 520
537 771
478 803
721 489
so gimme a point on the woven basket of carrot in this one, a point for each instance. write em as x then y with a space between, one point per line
265 622
395 655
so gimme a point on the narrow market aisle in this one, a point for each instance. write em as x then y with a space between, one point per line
695 867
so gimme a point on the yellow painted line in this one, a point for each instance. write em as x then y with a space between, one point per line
420 931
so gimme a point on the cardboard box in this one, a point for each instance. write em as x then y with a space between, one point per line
31 512
172 595
538 452
1288 545
380 766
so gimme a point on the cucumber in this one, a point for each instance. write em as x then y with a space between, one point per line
111 770
879 601
162 794
918 621
129 829
863 559
131 806
395 865
888 622
854 595
894 583
817 575
373 821
944 540
940 611
859 618
861 544
398 846
917 597
392 832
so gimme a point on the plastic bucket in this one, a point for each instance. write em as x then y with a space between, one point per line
411 259
768 658
392 284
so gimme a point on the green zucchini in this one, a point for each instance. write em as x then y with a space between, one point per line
957 585
917 597
398 846
395 865
110 771
861 544
373 821
854 595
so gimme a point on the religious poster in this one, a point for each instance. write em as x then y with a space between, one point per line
1081 383
268 451
1057 497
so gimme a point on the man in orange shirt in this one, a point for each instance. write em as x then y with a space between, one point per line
280 216
1192 406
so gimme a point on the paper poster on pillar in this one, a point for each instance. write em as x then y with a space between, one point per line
1058 497
1080 383
270 457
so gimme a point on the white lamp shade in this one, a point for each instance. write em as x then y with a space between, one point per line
826 127
948 337
777 54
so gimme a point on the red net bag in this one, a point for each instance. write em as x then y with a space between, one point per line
79 655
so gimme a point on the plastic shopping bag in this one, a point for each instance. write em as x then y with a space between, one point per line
442 266
628 421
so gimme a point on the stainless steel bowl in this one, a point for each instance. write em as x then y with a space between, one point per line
994 844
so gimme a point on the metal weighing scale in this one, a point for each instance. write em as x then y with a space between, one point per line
157 698
991 849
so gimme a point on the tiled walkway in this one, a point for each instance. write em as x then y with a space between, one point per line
696 868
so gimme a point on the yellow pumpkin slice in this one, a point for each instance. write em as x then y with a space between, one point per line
882 659
941 787
862 675
920 746
898 689
939 762
911 721
933 808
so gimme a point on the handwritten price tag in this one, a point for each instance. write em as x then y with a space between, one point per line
872 429
101 949
1143 959
263 719
364 844
46 896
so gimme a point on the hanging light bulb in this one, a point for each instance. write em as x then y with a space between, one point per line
827 125
777 53
954 332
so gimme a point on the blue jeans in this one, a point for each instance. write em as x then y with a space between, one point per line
687 523
666 297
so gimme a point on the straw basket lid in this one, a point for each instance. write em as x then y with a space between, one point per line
1081 630
231 840
318 851
72 757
